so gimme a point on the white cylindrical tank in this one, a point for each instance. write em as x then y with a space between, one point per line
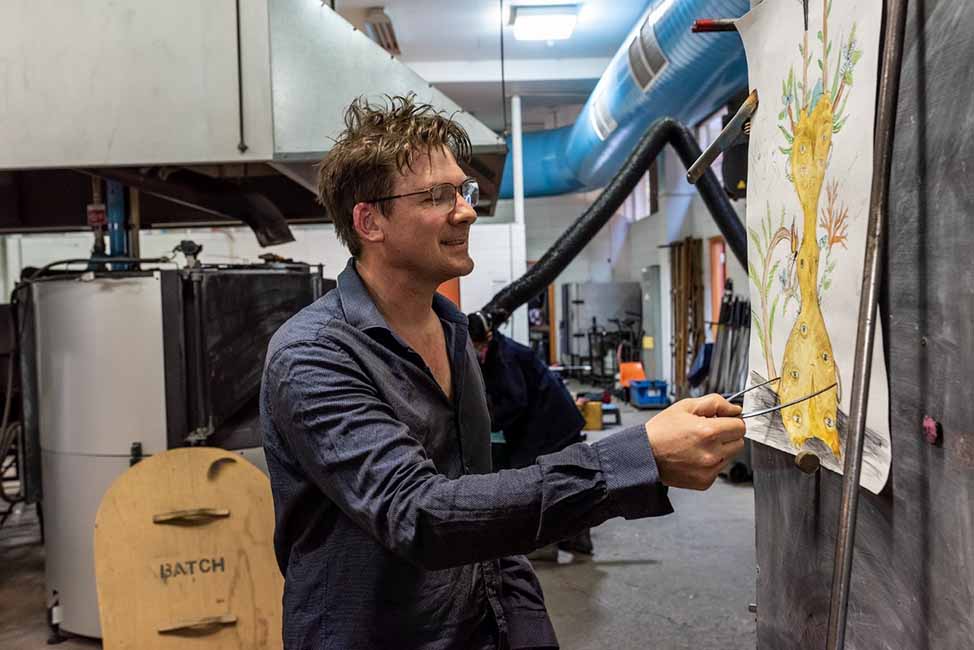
101 387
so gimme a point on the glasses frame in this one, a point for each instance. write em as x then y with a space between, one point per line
457 191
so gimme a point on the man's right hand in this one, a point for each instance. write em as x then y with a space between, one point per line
694 439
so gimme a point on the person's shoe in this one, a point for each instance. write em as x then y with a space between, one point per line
581 543
547 553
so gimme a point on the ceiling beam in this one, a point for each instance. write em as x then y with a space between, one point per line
514 70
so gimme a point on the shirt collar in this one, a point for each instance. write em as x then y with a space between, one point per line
361 312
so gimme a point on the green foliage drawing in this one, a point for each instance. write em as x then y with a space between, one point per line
800 94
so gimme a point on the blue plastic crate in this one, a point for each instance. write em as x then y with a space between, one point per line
648 393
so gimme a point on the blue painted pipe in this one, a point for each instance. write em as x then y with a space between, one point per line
115 204
701 74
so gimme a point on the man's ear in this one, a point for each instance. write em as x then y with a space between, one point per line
368 221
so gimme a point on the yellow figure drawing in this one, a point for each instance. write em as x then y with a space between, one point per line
813 111
807 365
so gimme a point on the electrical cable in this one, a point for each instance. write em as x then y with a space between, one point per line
8 434
102 260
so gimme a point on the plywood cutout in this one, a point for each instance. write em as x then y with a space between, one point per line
184 555
814 65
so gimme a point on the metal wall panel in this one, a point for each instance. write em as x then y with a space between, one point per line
101 82
913 571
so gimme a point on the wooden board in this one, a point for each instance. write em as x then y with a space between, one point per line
184 555
913 569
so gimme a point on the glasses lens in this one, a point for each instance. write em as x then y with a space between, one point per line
470 191
443 195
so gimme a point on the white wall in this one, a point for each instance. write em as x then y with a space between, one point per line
498 251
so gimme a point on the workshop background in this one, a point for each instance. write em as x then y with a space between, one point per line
158 222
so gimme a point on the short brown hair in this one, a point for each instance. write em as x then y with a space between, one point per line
378 142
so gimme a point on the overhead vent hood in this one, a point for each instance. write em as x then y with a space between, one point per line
188 99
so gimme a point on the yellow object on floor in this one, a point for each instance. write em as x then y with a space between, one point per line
592 412
184 555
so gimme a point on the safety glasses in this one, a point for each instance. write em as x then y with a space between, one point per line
443 196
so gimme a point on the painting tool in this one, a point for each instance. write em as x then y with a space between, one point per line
778 407
750 388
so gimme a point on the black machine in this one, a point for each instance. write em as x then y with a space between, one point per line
216 322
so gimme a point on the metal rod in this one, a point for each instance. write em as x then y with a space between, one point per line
865 336
778 407
199 354
704 25
750 388
135 224
500 5
99 260
242 145
517 160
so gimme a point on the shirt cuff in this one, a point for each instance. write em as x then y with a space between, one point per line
631 476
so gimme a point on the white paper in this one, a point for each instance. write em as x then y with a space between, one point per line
809 178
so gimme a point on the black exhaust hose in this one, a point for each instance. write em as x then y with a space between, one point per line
663 131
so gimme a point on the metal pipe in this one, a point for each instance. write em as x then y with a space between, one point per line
96 219
117 241
518 160
199 354
662 132
242 144
865 336
135 224
706 25
97 260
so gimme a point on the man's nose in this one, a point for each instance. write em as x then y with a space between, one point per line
463 212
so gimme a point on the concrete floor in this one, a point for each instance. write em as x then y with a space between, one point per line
674 582
682 581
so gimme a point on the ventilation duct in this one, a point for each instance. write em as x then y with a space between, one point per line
250 93
661 70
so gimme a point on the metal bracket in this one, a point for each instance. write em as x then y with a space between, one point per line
736 130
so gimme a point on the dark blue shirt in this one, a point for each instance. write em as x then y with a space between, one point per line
391 532
528 402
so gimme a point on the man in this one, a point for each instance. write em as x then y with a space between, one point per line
530 405
392 532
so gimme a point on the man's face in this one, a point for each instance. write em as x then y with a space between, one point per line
430 241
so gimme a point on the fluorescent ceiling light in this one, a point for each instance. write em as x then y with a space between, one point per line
544 22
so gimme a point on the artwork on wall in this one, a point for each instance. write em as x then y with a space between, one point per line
814 64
